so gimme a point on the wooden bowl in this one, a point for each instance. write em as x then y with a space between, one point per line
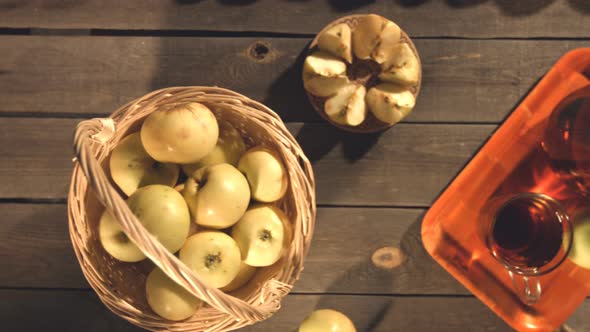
121 286
362 72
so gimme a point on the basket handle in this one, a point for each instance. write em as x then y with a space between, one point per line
99 131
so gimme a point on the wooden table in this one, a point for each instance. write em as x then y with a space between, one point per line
64 61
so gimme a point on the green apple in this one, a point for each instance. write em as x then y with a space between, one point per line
161 210
244 275
580 251
217 196
261 235
348 106
214 256
229 148
390 103
336 40
132 167
167 298
266 174
180 133
402 67
327 320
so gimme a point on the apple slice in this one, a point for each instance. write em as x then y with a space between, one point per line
246 273
388 39
261 235
367 34
323 64
389 102
336 40
132 167
402 67
229 148
214 256
347 107
167 298
322 86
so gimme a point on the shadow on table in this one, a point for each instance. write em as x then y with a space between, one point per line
508 7
417 262
580 5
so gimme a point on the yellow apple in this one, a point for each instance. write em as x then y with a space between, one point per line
322 86
266 174
390 103
217 196
580 251
261 234
244 275
180 133
323 64
367 35
167 298
229 148
388 39
348 106
161 210
327 320
214 256
337 40
131 167
402 67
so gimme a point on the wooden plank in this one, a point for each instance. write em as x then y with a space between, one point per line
464 80
408 165
34 237
499 18
82 311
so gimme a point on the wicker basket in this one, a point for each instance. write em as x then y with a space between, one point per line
121 286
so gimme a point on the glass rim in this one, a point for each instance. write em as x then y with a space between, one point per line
565 247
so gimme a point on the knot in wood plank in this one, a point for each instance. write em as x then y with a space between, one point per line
388 258
260 51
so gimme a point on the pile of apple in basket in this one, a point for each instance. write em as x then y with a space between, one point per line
220 180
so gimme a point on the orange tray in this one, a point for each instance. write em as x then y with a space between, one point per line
450 229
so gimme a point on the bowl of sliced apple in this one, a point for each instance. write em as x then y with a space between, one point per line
191 209
362 73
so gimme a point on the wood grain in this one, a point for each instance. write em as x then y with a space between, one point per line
28 311
82 311
464 80
408 165
34 237
481 18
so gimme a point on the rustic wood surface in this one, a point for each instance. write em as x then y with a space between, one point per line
373 170
65 60
457 18
80 310
464 80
